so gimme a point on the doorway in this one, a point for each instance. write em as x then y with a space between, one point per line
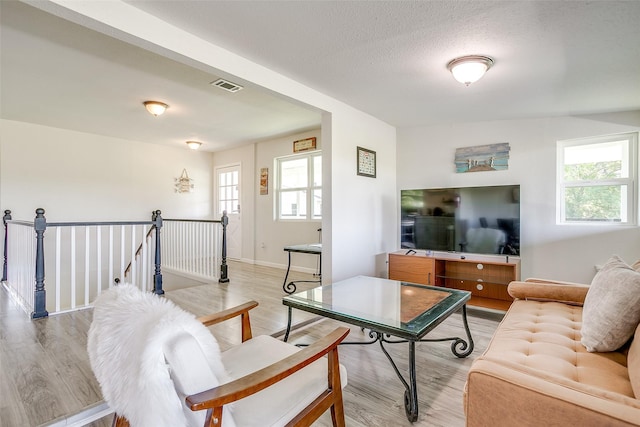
228 190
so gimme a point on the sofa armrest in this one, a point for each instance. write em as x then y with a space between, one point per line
546 290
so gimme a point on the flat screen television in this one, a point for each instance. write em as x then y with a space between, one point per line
484 220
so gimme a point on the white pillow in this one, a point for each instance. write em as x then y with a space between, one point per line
611 309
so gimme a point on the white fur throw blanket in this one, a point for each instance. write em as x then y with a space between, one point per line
125 344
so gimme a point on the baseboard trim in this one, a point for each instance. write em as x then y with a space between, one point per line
284 267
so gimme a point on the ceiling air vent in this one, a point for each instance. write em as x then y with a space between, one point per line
227 85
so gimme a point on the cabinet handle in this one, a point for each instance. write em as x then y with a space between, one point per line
429 279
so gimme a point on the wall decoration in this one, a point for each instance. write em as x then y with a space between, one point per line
304 144
366 162
184 183
492 157
264 181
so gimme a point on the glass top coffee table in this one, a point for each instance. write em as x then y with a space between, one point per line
389 308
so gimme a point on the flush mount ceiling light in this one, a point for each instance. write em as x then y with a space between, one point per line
194 145
469 69
155 107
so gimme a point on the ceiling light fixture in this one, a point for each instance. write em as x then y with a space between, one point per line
469 69
155 107
194 145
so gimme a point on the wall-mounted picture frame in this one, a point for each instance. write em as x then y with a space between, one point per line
480 158
264 181
304 144
366 162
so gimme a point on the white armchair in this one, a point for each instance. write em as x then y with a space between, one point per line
158 365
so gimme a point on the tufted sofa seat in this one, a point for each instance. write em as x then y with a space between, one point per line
536 371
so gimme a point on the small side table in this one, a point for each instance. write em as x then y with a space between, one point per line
311 248
290 288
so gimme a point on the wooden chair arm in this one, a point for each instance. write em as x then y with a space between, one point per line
241 310
263 378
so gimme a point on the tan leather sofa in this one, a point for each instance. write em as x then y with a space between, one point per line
536 372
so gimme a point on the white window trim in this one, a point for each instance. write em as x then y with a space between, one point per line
309 188
633 195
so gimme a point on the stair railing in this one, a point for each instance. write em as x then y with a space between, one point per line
142 257
196 248
77 279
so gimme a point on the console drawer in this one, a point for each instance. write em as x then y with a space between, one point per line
480 288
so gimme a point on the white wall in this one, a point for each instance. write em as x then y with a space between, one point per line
77 176
363 210
258 224
277 234
426 159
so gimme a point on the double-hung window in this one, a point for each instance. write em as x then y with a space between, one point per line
299 187
597 180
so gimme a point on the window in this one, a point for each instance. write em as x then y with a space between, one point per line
597 180
228 191
299 187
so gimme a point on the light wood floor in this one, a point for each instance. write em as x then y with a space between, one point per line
45 373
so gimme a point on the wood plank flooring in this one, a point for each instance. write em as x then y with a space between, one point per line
45 374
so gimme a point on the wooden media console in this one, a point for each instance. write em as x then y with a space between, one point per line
485 276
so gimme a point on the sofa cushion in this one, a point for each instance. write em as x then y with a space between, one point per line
633 363
611 307
540 373
543 338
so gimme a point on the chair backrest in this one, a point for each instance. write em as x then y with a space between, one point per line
485 240
147 354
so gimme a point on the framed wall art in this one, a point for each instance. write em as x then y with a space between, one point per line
264 181
366 162
184 184
491 157
304 144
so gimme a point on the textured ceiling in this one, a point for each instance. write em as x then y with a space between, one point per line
387 58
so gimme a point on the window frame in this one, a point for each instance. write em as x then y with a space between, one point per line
630 181
310 188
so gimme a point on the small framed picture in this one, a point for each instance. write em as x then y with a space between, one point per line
366 162
264 181
304 144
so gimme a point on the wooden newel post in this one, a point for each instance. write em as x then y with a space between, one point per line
5 218
224 278
40 295
157 277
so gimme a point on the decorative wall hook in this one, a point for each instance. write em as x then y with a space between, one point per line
184 183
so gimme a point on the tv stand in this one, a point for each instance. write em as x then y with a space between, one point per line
485 276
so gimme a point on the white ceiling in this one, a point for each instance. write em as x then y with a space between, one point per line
387 58
60 74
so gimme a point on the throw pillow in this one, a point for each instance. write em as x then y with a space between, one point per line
611 309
